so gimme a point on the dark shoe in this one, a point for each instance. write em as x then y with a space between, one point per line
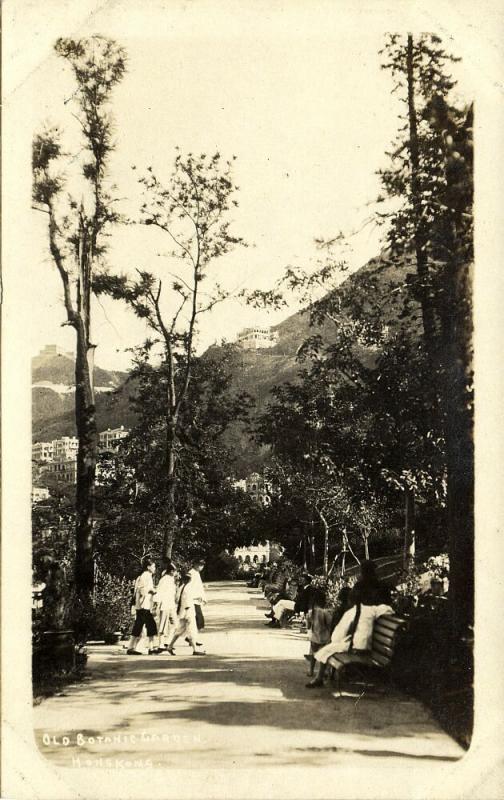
270 615
307 656
133 653
314 684
199 653
273 624
169 651
155 652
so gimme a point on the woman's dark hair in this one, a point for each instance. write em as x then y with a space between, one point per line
344 594
146 562
318 598
368 570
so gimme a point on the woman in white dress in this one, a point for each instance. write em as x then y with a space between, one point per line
187 617
165 597
353 632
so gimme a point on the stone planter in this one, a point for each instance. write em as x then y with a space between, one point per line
112 638
55 649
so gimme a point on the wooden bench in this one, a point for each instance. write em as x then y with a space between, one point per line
383 644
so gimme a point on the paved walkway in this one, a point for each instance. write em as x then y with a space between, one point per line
243 705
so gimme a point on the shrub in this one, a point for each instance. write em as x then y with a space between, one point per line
332 587
222 567
410 591
111 611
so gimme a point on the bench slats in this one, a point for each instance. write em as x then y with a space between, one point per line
383 646
389 621
386 628
380 660
391 618
349 658
385 641
388 652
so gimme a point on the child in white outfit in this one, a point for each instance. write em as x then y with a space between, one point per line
187 617
165 597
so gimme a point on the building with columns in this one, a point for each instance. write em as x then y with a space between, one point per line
254 554
257 338
109 439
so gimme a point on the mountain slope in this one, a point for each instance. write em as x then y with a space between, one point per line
254 371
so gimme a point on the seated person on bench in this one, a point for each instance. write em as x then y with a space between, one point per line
354 631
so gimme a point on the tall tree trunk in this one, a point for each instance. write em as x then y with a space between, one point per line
171 517
421 234
409 529
85 418
325 527
343 559
458 419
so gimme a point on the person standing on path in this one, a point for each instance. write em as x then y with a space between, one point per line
199 595
319 626
144 594
165 597
186 616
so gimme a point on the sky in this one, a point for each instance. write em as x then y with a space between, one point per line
297 97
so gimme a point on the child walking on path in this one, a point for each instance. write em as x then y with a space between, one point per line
187 618
144 593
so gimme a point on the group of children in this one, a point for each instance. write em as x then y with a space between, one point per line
169 610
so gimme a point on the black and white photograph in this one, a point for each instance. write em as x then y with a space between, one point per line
240 267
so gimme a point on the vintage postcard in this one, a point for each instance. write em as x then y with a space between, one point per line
251 397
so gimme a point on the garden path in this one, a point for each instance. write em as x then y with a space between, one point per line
244 705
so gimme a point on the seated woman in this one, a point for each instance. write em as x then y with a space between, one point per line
275 590
354 631
294 600
369 589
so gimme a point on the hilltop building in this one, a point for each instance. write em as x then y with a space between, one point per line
258 488
43 451
257 338
49 351
109 439
65 448
63 471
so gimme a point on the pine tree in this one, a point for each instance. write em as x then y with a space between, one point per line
431 175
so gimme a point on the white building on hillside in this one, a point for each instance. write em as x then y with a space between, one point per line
39 493
257 338
66 448
65 470
43 451
109 439
258 488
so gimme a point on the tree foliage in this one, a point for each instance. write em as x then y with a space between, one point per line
193 210
212 515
